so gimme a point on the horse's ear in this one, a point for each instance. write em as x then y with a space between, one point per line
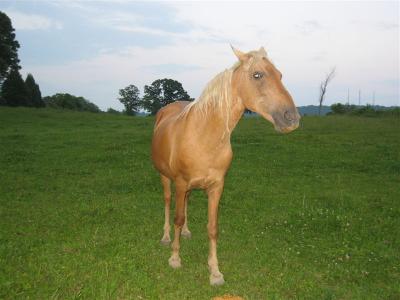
262 52
239 54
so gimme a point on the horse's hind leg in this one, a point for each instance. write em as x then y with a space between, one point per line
185 229
166 183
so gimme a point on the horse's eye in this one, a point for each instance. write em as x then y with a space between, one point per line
258 75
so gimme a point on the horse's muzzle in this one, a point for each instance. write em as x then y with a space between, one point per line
287 121
289 128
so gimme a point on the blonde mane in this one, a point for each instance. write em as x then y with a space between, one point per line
216 96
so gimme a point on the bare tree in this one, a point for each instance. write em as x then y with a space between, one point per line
323 86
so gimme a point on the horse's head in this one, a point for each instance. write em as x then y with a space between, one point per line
258 83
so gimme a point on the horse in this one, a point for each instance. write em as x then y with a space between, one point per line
191 140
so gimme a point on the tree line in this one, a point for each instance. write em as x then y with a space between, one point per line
367 110
14 91
160 93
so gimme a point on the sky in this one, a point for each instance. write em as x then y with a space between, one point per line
94 48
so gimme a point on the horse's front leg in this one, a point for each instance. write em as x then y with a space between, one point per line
214 194
181 190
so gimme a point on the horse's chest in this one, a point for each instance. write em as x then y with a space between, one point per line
202 169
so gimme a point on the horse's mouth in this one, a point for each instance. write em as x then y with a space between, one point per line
287 129
285 125
282 124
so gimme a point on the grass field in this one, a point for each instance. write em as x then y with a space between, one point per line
310 215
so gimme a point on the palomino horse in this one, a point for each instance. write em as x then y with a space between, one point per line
191 141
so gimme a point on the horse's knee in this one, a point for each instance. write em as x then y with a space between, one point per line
179 220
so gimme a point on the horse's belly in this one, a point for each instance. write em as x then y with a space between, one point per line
161 155
203 182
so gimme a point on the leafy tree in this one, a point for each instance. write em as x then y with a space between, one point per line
338 108
68 101
111 110
367 110
130 98
162 92
8 47
14 91
34 94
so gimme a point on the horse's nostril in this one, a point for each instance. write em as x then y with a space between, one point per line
288 115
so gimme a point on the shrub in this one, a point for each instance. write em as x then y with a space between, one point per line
67 101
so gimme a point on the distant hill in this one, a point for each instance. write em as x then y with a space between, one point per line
310 110
379 107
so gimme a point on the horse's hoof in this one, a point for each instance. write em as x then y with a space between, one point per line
217 279
165 241
186 234
175 263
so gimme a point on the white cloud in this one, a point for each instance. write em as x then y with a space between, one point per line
388 25
146 30
304 40
309 27
22 21
100 77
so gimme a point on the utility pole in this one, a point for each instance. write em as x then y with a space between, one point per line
348 96
373 99
359 97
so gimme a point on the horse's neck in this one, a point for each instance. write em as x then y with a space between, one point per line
218 109
218 124
236 111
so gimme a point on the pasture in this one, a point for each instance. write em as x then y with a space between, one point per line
314 214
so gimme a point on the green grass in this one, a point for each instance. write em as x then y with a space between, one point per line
310 215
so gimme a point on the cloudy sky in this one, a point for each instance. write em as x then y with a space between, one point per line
94 48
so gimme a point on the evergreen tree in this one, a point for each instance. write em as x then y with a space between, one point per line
35 96
8 47
14 91
162 92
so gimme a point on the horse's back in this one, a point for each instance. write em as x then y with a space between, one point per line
170 111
